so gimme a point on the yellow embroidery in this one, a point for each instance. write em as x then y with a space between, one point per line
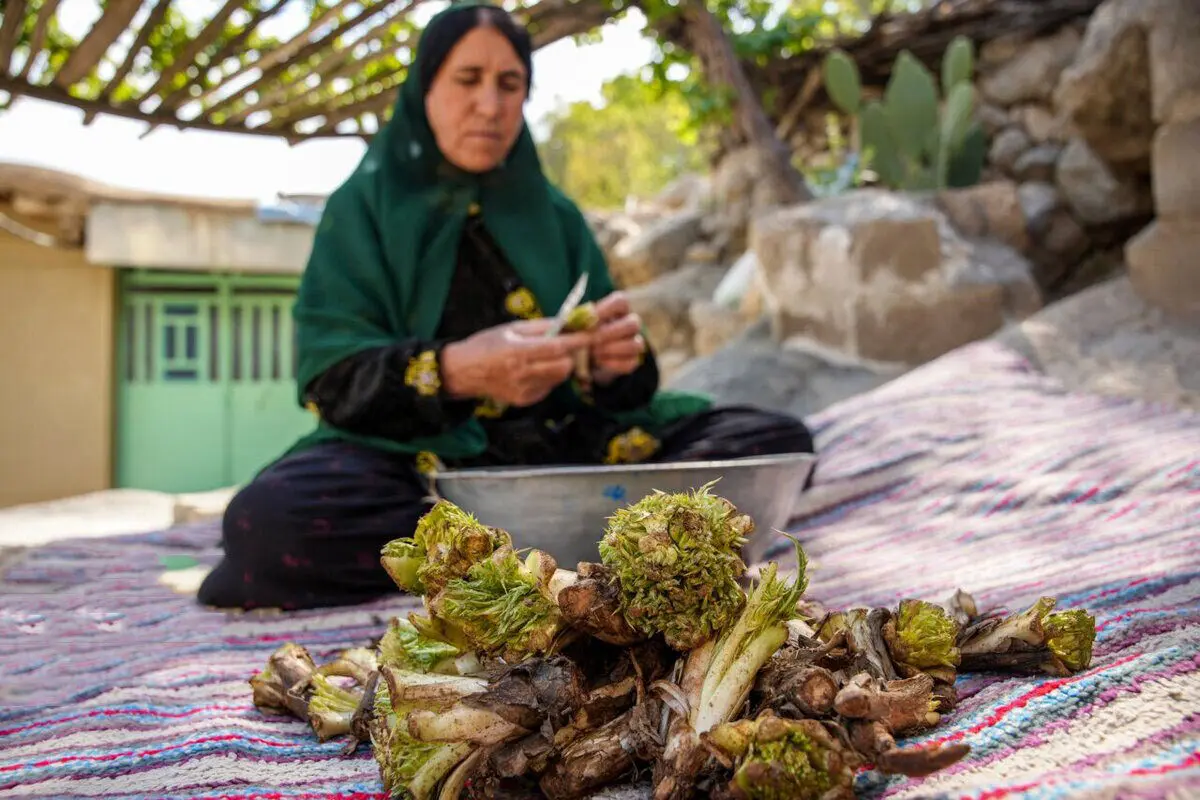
489 408
631 447
311 407
423 375
521 303
473 209
427 463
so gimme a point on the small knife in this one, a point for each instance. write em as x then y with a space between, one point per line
569 305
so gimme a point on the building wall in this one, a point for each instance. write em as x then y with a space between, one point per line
56 372
196 238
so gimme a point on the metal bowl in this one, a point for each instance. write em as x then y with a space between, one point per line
564 510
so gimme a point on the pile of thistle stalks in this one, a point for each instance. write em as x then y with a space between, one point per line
521 679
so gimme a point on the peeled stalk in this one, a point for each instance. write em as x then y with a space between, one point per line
1032 642
716 681
462 723
331 708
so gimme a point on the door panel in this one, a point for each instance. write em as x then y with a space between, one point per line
206 393
265 418
171 407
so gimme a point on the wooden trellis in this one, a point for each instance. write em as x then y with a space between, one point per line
333 77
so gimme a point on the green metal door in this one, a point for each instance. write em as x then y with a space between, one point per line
206 390
264 417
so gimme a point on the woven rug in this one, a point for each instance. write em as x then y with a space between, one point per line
974 471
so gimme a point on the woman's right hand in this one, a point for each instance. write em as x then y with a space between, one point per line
513 364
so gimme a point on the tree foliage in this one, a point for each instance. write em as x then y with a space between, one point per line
346 64
654 125
632 143
761 32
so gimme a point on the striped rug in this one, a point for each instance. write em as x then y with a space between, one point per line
974 471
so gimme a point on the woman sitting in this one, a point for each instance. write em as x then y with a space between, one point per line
421 322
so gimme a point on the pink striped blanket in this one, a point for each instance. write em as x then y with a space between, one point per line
974 471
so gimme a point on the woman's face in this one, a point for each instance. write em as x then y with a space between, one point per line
474 104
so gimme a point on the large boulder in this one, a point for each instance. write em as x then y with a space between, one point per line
1162 265
655 250
1098 194
752 369
884 277
990 210
739 191
1026 72
665 306
1138 66
688 192
1177 168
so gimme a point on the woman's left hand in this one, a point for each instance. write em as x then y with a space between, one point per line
617 343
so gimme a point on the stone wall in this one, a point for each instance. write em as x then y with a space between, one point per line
879 279
1094 129
1083 195
1162 261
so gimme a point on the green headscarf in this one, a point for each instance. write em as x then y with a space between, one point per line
385 251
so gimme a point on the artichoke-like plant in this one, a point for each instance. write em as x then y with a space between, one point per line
581 318
331 707
503 605
410 768
677 559
1035 641
448 541
718 676
405 647
777 758
921 638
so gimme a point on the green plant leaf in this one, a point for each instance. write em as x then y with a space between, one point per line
843 82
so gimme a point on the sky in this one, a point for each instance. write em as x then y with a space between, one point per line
205 164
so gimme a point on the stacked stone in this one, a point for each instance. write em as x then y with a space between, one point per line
1162 259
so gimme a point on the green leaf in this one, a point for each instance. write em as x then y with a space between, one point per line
966 163
877 142
958 64
911 105
843 82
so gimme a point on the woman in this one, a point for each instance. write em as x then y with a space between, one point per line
420 334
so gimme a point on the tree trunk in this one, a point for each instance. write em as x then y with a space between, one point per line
703 35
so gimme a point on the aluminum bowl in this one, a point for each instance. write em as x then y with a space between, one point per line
564 510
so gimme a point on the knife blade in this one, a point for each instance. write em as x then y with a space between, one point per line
569 305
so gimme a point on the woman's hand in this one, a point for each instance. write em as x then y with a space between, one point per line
617 343
513 364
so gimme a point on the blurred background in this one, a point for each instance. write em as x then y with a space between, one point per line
983 164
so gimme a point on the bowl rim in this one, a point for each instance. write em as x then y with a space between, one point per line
586 470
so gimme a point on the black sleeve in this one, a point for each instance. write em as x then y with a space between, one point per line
393 392
629 392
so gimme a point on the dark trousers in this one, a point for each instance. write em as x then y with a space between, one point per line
307 531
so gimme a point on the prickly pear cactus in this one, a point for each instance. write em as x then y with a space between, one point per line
842 81
916 140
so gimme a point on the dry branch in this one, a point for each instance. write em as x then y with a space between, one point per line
281 88
10 30
230 49
91 50
157 15
38 39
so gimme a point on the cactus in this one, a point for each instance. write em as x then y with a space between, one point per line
842 82
914 143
